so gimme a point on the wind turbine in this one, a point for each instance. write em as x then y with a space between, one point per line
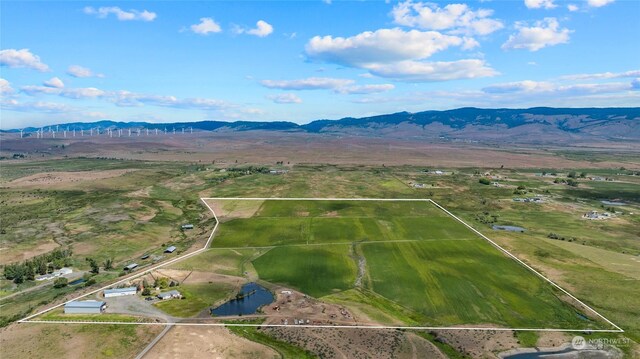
156 131
21 130
129 132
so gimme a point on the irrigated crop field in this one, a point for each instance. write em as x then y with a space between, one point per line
420 265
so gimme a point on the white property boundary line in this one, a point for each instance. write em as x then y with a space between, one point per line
207 244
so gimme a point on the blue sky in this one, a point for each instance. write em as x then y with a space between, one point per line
300 61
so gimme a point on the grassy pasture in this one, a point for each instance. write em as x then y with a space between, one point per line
315 270
422 266
222 261
197 297
465 282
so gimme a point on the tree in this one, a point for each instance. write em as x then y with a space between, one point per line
484 181
60 282
583 175
146 292
161 283
108 264
572 174
95 269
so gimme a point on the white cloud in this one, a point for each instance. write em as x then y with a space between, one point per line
542 34
602 75
535 87
74 93
380 46
120 14
127 98
86 92
262 29
599 3
418 71
285 98
44 107
394 53
537 4
572 7
54 82
206 26
22 59
311 83
365 89
82 72
457 18
5 87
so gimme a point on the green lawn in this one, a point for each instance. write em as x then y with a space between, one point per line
315 270
197 297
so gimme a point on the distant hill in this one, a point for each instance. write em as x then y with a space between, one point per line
533 125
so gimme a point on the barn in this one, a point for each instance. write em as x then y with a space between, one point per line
85 307
119 292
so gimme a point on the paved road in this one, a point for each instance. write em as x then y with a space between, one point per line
154 342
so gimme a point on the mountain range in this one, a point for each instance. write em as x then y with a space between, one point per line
533 125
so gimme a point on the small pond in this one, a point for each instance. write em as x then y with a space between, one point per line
508 228
612 203
254 297
77 281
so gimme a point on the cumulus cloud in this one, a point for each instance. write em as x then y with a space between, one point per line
127 98
456 18
206 26
285 98
599 3
365 89
395 53
311 83
5 87
537 4
54 82
573 7
82 72
380 46
22 58
419 71
74 93
122 15
262 29
543 33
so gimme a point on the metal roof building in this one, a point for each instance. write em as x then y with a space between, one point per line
170 294
118 292
85 307
131 266
170 249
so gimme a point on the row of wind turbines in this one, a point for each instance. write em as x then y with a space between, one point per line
51 132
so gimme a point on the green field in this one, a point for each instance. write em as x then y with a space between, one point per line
196 298
413 264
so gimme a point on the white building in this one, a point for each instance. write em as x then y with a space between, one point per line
119 292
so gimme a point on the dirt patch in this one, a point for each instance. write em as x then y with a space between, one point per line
144 192
192 277
478 343
11 255
357 342
227 209
207 342
74 341
57 178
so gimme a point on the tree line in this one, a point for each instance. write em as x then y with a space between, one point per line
39 265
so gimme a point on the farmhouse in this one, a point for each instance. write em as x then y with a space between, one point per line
170 295
187 226
119 292
131 266
170 249
85 307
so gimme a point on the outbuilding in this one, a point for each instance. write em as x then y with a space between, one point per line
170 249
170 295
187 226
131 266
85 307
119 292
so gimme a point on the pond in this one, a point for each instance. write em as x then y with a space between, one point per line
254 297
77 281
509 228
612 203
